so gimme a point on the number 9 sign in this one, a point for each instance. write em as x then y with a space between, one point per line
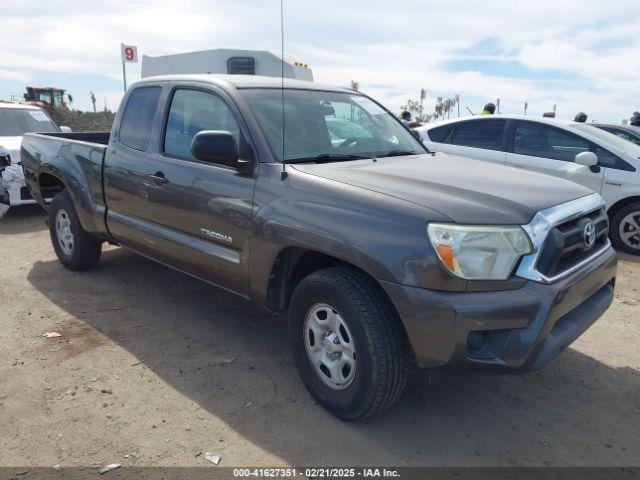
129 53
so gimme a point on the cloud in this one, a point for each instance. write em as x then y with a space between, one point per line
13 75
578 54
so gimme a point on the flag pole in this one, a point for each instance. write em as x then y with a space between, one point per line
124 76
124 68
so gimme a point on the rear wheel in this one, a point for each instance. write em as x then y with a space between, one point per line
76 249
625 229
348 343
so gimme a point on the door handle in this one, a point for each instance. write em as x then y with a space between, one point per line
158 179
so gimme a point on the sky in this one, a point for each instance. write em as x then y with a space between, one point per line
580 55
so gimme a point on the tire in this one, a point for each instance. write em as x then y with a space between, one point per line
627 219
75 248
366 324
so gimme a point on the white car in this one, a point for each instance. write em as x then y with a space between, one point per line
15 120
579 152
4 195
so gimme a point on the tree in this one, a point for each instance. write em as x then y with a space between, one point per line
417 110
444 107
442 110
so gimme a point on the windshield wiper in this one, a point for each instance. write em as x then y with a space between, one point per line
328 157
398 153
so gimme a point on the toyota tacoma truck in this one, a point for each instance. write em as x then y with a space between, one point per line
316 200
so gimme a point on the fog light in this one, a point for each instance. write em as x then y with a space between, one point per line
477 343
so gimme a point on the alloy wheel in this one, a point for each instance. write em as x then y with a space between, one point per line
630 230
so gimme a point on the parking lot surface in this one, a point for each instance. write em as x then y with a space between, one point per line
155 368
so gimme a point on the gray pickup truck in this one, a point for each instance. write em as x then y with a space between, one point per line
317 200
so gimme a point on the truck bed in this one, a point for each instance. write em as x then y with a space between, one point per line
101 138
74 159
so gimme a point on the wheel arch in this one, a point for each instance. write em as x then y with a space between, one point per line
622 244
52 180
620 204
50 185
291 265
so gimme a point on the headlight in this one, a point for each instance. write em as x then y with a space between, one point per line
478 252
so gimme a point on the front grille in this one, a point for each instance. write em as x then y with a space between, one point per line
565 245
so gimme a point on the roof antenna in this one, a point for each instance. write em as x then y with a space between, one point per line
283 174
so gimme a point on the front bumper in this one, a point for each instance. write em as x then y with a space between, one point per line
513 330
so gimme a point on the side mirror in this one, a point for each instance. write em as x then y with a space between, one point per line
218 146
65 129
588 159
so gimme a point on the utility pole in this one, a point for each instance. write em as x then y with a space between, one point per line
93 101
458 103
526 105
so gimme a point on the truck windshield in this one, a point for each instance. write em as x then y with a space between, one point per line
15 122
328 126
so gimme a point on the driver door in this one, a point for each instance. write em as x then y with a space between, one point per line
192 215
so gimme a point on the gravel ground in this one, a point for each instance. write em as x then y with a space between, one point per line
154 367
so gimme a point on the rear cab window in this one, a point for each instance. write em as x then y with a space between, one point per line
487 134
137 119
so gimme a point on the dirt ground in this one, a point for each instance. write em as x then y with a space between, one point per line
154 367
83 121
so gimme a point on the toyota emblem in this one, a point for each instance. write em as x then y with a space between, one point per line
589 235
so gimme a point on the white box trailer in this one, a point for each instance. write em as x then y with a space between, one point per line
226 61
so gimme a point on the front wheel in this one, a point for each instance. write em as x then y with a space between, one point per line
625 229
348 343
76 249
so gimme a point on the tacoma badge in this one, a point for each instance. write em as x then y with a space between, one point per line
216 235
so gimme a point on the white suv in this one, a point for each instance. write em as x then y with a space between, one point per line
15 120
579 152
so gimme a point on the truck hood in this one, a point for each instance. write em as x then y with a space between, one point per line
465 190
